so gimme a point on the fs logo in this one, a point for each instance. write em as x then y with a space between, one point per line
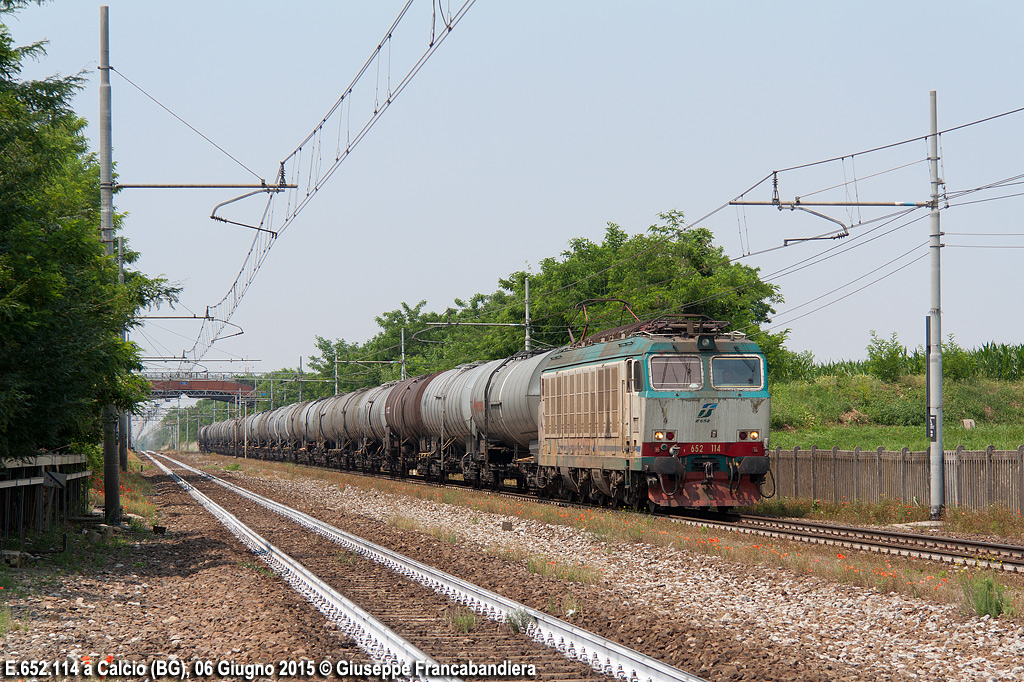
704 416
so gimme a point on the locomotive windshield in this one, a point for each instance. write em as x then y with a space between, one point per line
736 371
675 372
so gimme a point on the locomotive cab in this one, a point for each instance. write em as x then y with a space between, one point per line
705 422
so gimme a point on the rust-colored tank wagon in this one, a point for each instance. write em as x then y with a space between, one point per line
403 409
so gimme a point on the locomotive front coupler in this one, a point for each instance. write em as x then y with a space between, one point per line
709 473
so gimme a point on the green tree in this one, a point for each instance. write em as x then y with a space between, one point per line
887 358
668 270
61 307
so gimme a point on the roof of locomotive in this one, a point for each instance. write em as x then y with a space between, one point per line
659 336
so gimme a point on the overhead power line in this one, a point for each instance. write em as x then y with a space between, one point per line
323 151
190 126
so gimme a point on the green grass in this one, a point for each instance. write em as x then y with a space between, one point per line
860 410
985 597
258 567
7 622
886 512
870 437
519 620
444 534
461 619
576 573
135 490
996 520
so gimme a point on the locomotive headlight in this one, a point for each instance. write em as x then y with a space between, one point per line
670 436
659 435
754 435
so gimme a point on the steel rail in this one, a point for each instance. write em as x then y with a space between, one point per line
602 654
1009 557
371 635
945 550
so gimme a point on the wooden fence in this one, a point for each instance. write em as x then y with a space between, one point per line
974 479
39 491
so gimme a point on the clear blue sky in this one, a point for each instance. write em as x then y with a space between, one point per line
538 122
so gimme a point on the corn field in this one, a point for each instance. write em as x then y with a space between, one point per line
991 361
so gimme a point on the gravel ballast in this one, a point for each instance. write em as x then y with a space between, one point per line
194 594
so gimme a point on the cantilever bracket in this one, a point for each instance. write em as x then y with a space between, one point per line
269 189
795 206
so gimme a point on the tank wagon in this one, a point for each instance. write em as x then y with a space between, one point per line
667 413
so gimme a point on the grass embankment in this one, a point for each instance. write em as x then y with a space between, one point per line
861 410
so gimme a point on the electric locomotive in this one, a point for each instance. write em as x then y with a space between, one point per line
671 413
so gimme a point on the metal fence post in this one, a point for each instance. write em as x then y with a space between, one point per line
814 473
1020 479
835 473
904 491
958 469
796 479
878 473
856 474
988 475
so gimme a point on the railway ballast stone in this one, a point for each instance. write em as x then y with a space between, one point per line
196 593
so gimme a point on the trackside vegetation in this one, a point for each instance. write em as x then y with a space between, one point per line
61 306
881 401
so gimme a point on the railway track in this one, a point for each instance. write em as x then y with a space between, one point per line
974 553
373 575
955 551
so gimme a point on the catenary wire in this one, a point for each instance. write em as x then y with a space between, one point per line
190 126
856 291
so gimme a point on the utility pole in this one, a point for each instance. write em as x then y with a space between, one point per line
122 422
935 411
300 378
527 279
403 353
335 371
111 472
934 320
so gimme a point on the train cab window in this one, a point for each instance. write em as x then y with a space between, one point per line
675 373
737 371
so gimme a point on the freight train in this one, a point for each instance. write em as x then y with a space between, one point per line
661 414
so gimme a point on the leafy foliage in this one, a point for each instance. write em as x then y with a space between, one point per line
61 307
887 358
666 270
